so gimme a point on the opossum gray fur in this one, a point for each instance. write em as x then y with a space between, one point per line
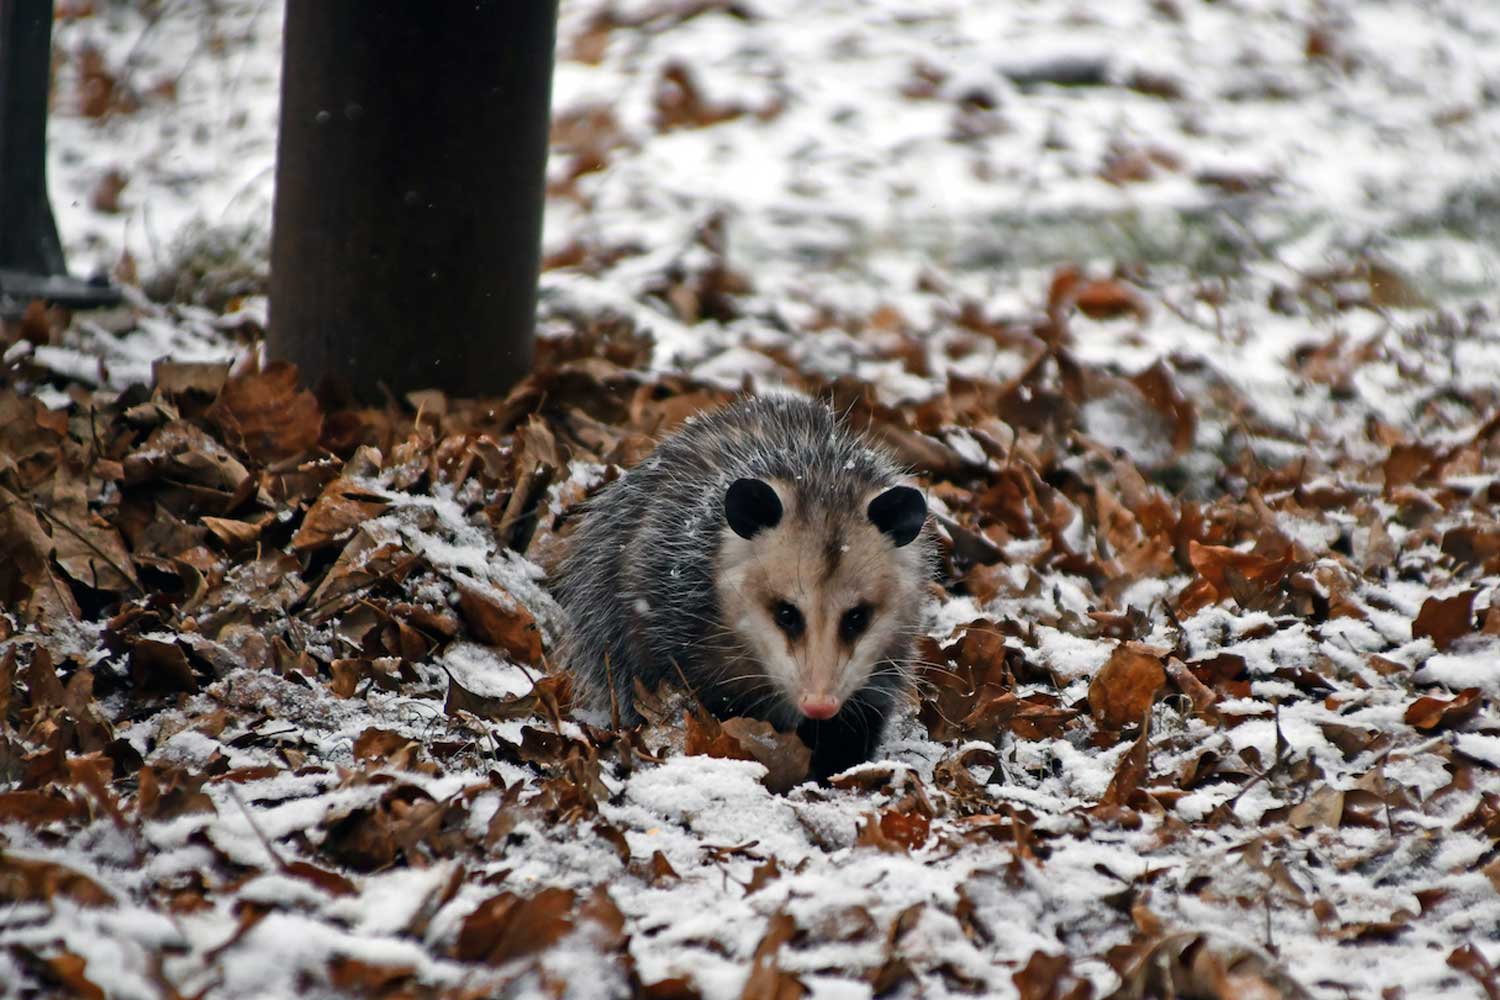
769 556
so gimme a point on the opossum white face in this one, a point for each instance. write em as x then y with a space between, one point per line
819 596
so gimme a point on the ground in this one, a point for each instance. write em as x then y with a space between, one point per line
1182 313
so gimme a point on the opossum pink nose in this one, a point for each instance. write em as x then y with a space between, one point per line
818 706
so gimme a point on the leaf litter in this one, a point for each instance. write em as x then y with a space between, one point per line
1206 704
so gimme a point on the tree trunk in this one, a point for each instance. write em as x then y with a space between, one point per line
28 234
410 178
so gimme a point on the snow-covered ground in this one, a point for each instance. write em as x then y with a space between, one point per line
1303 199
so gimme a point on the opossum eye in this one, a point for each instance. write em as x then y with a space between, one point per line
751 506
788 618
899 512
854 622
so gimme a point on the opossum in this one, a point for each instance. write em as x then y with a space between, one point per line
769 557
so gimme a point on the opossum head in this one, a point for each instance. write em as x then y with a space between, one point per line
821 596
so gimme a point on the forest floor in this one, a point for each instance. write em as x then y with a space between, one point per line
1184 315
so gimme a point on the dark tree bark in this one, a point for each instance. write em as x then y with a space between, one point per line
31 256
410 177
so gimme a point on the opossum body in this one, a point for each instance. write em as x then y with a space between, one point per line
769 557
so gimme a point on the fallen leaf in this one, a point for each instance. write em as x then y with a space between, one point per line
1431 714
267 414
1129 777
24 880
1445 620
680 104
1126 685
704 736
1050 977
342 506
767 980
161 668
365 978
509 926
496 618
786 758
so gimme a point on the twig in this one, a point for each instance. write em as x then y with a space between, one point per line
234 793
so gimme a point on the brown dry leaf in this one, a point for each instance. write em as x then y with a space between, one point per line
93 772
584 140
508 926
909 829
347 673
341 508
1408 463
23 880
786 758
1198 693
189 378
1127 685
539 461
64 969
1224 673
43 686
27 581
363 839
869 834
599 908
1227 572
672 988
1431 714
376 744
1191 965
974 672
703 735
368 559
550 696
87 547
330 882
231 533
1051 977
1323 808
33 439
1035 717
1471 961
680 104
762 876
161 668
1160 389
1106 298
662 872
107 190
1129 777
498 619
1445 620
167 792
100 90
1471 545
35 808
179 452
365 978
767 981
267 414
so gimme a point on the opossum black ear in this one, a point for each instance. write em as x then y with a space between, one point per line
751 506
899 512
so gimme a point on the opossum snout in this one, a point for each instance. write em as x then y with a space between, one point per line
819 706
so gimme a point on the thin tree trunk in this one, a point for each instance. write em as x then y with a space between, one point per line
28 234
410 179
